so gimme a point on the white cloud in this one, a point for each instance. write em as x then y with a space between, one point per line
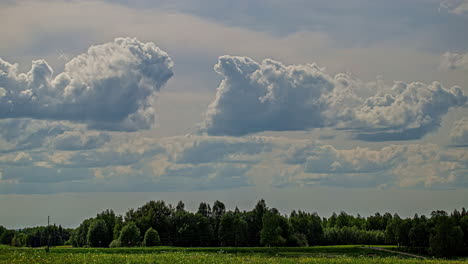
270 96
458 7
459 133
112 86
453 60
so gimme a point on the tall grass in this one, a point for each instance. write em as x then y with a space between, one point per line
39 256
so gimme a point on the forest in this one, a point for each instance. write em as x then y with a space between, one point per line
158 223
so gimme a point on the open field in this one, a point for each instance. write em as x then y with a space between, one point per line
162 255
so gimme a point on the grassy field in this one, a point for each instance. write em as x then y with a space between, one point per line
162 255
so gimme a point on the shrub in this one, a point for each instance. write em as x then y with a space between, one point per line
130 235
115 243
151 238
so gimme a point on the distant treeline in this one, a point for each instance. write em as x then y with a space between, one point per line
157 223
36 236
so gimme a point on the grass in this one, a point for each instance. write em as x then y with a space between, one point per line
351 250
163 255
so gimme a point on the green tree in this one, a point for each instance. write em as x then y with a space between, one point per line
255 222
180 207
98 234
151 238
7 236
204 209
155 214
18 240
79 236
2 229
464 227
219 209
307 224
233 230
130 235
110 219
446 239
418 234
270 235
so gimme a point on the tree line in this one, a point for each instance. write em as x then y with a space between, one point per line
158 223
40 236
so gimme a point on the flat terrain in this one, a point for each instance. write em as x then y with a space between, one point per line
162 255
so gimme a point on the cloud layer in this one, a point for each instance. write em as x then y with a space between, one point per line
269 96
112 87
414 165
33 135
194 163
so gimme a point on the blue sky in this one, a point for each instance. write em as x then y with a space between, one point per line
322 105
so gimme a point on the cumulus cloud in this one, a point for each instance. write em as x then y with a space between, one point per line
269 96
458 7
453 60
112 87
459 133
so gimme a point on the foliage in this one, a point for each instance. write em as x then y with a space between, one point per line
151 238
130 235
232 230
115 243
98 234
271 233
439 234
7 237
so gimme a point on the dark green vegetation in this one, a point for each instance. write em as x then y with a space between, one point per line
158 223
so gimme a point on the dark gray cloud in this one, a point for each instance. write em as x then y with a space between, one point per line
112 87
269 96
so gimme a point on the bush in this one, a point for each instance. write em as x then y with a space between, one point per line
130 235
7 237
151 238
115 243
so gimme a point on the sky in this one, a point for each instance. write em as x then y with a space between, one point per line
328 106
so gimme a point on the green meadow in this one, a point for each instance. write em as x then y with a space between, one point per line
172 255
